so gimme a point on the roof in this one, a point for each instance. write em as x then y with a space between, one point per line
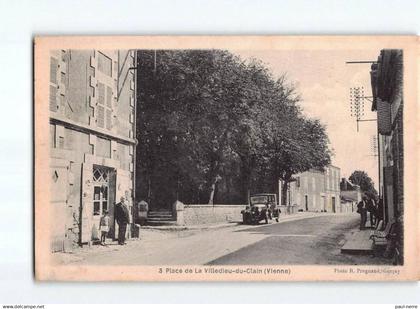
350 186
347 199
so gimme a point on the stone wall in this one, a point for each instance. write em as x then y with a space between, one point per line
209 214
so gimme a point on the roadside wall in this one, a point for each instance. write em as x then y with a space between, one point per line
205 214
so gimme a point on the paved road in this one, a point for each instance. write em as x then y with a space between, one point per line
312 241
302 240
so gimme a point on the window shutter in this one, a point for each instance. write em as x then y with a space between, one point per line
53 98
100 116
108 96
53 70
108 119
101 93
384 117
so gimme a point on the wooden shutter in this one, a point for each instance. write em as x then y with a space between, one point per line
108 119
108 96
101 93
53 70
100 117
384 117
87 203
53 98
59 185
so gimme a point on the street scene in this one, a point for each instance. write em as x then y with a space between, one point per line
226 157
298 240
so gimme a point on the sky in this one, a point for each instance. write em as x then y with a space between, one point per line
324 81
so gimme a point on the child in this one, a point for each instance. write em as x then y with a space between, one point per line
104 227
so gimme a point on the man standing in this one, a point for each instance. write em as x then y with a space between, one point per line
371 207
362 210
123 217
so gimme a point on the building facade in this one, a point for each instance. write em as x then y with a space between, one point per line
92 145
316 190
350 195
388 102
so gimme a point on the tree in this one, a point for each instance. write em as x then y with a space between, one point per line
190 104
362 179
303 147
213 127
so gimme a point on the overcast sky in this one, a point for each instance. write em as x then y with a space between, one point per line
323 80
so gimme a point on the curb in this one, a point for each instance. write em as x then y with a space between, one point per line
192 227
226 225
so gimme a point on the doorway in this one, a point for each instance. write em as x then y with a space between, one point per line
103 196
333 204
306 203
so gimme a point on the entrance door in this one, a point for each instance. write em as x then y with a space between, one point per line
59 183
101 176
333 203
98 195
323 204
306 203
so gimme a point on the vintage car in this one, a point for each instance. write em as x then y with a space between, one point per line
261 206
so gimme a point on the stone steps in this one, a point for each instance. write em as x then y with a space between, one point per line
160 217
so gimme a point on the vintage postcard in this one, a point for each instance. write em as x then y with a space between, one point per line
226 158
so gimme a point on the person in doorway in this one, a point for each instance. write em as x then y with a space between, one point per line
362 210
122 216
104 227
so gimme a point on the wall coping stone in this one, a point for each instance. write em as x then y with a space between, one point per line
213 206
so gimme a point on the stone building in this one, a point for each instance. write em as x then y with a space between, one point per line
350 195
387 92
316 190
92 145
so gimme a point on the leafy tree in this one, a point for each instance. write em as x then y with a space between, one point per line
212 127
362 179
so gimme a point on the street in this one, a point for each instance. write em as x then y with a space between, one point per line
301 239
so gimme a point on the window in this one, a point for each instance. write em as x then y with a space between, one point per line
104 64
100 190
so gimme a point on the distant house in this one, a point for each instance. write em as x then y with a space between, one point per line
350 195
316 190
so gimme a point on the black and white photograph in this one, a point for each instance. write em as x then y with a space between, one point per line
222 157
210 153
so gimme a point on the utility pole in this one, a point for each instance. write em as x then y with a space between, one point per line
357 105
